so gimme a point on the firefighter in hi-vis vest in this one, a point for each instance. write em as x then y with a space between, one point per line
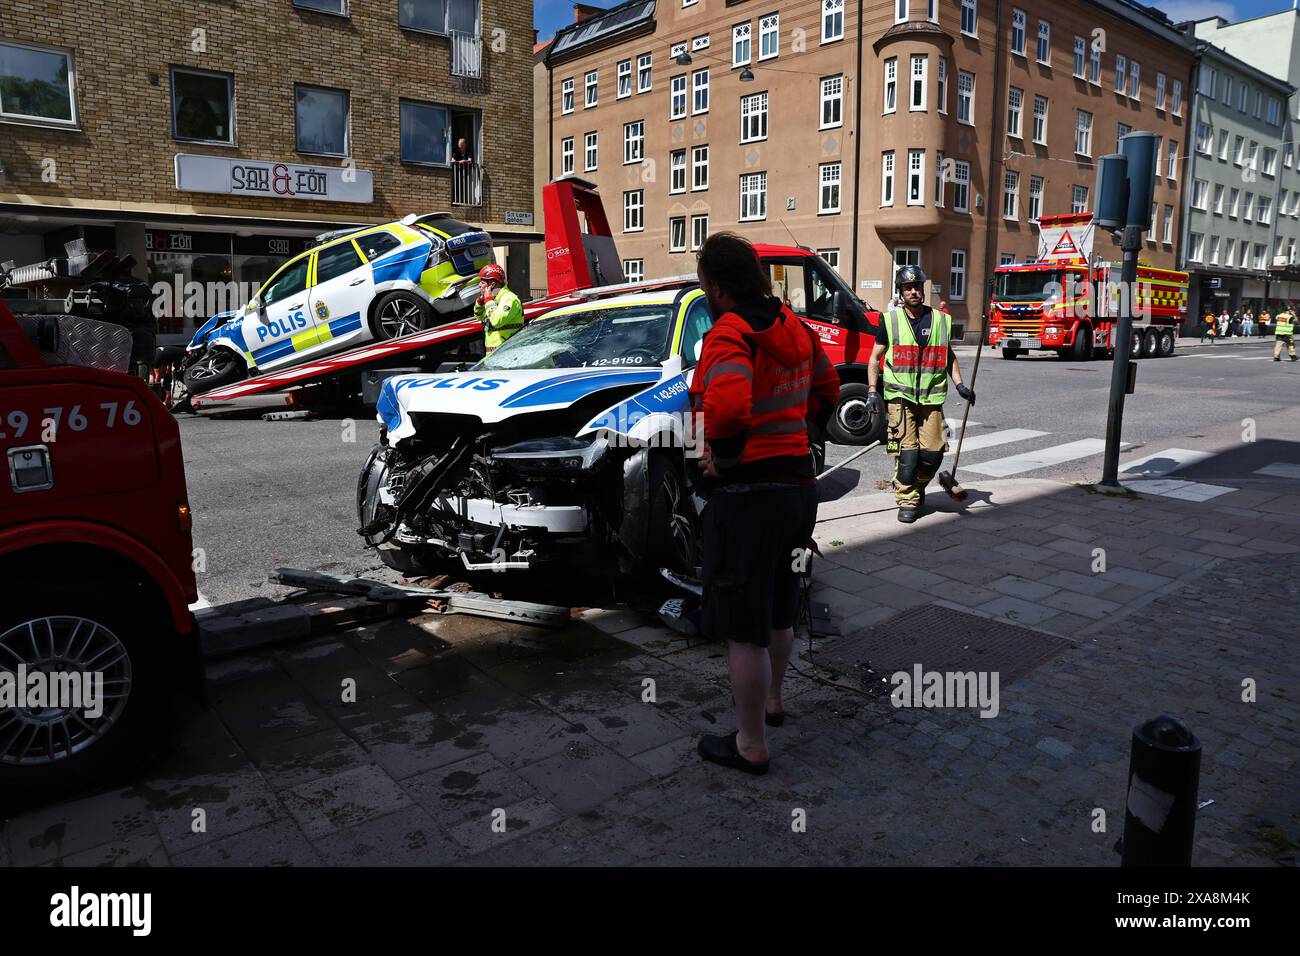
916 346
499 309
1285 332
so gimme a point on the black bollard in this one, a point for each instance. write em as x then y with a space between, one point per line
1160 814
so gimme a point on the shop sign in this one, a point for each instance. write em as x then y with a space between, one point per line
249 177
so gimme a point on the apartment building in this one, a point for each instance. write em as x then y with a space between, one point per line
1271 44
211 140
1242 214
966 120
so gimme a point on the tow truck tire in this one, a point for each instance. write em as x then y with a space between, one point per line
107 630
673 529
1010 353
399 314
1135 350
216 369
1081 350
851 422
1150 344
1166 343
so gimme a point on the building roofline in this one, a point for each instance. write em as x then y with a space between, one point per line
1262 16
635 29
1264 79
1141 16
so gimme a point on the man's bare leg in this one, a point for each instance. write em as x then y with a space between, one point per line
751 676
779 651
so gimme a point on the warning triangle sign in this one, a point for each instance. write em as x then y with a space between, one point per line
1065 247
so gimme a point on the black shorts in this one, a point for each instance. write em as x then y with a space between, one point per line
753 545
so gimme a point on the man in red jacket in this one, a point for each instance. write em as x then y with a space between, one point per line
761 378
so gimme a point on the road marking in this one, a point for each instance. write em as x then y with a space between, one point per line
1004 437
1173 488
955 424
1280 469
1166 462
201 603
1043 458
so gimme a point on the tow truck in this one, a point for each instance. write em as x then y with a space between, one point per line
95 557
1069 302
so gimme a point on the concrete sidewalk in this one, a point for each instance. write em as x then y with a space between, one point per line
522 747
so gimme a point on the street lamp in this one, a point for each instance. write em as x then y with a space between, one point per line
683 59
746 75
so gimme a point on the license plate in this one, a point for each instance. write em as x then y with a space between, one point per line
1022 343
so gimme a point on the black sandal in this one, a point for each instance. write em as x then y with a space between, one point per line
774 720
723 751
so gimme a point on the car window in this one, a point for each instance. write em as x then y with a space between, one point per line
698 321
291 281
802 290
629 334
336 261
377 243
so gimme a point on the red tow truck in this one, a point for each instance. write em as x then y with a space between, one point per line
582 262
1069 302
96 634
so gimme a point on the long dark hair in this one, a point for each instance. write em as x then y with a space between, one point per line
732 264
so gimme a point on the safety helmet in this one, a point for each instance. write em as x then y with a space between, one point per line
908 274
492 273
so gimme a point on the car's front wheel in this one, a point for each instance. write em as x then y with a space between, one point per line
400 313
216 368
673 534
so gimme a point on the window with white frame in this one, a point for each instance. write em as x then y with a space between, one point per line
677 234
1270 161
1274 111
1018 32
1121 72
832 257
1282 202
566 156
1161 81
1205 79
943 85
887 178
1248 207
1230 252
677 171
1214 250
832 101
566 95
832 20
1239 151
677 97
829 175
1167 233
1218 199
920 71
591 91
1172 166
1261 252
753 117
957 276
645 73
1040 119
38 86
1078 199
1134 80
1080 54
1122 130
891 84
1288 155
753 195
769 36
900 11
1044 52
1259 104
624 79
969 17
1015 110
1264 212
1243 97
203 101
938 179
1245 255
916 177
634 270
1155 222
1197 247
1006 258
634 210
700 91
1094 65
741 44
965 97
1227 90
1035 198
1083 132
1223 145
1010 194
1204 139
592 155
1200 194
1234 203
699 231
699 168
932 10
633 142
961 185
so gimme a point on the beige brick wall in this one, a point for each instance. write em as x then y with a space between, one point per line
124 151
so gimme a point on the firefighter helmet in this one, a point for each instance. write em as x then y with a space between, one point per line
907 275
492 273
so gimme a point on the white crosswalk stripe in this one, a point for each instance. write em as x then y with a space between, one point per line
1042 458
1173 488
955 424
1164 462
1004 437
1280 469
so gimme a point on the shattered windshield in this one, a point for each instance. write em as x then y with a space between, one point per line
628 335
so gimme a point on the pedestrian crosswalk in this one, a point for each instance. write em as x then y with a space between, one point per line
1038 459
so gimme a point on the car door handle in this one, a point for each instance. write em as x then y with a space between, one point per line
298 305
357 281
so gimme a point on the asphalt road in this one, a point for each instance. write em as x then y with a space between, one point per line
272 494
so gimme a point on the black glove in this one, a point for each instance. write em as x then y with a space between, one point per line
966 393
873 402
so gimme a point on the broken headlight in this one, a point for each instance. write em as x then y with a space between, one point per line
549 456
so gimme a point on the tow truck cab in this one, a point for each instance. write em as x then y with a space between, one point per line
96 556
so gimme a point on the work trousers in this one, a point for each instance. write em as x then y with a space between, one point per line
916 436
1286 340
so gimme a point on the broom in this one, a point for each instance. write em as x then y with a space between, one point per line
948 479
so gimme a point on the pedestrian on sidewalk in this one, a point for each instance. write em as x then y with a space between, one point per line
1207 329
1247 326
761 378
1285 333
1265 320
915 345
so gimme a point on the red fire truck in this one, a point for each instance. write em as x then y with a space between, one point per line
1068 301
96 565
582 262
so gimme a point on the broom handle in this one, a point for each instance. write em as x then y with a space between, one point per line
979 349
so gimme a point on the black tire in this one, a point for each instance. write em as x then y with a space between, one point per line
1135 346
216 368
127 643
852 422
1081 350
673 531
408 559
1010 353
398 314
1167 343
1150 343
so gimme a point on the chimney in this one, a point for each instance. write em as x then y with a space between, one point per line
584 11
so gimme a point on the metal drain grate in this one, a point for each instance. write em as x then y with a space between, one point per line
942 639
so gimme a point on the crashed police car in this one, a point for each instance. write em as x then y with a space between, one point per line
378 282
571 443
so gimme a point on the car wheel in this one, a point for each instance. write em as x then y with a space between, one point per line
52 748
216 368
1010 353
400 313
673 533
1167 343
852 422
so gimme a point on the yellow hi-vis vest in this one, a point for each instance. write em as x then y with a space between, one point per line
912 372
1285 323
501 318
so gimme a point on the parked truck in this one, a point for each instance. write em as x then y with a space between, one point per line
1068 301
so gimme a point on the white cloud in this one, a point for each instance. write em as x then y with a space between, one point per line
1179 10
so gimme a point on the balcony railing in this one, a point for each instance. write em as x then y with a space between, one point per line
466 55
466 184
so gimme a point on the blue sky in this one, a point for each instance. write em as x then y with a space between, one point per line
550 15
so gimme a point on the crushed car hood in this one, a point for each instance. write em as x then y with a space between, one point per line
495 396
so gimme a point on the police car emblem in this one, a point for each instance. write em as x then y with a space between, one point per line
322 311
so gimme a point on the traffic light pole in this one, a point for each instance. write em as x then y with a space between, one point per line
1130 244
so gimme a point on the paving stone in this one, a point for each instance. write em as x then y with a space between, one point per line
525 817
1019 587
1014 609
280 843
407 837
467 788
64 829
582 776
332 804
143 849
1086 605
